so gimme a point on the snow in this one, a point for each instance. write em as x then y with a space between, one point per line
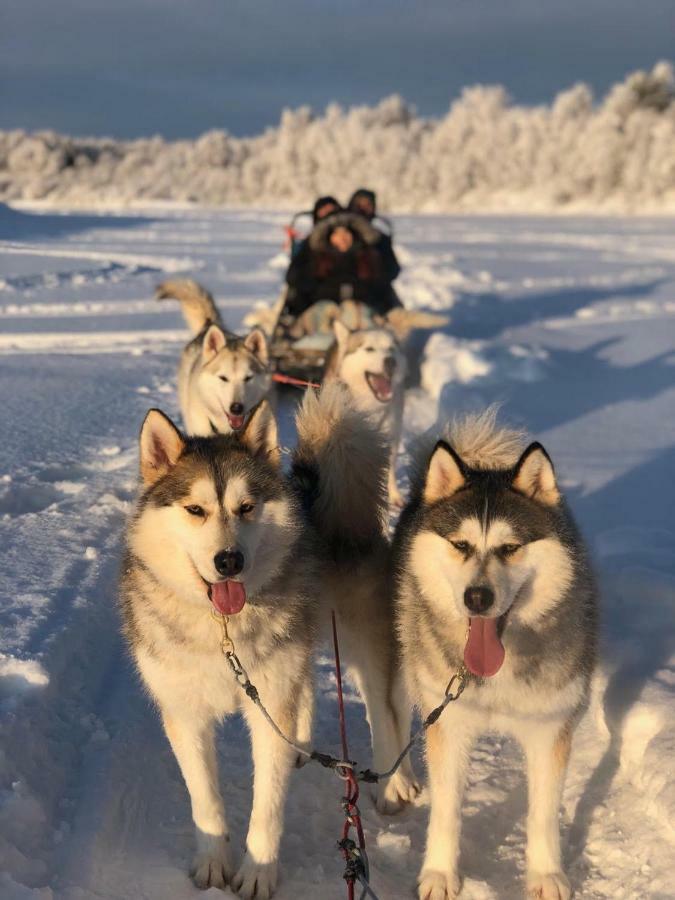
567 322
485 154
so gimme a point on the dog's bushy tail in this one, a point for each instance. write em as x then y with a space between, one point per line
482 443
340 467
197 304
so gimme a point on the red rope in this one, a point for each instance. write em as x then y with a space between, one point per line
297 382
351 798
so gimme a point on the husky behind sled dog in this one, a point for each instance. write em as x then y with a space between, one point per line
370 361
219 527
348 508
493 574
221 377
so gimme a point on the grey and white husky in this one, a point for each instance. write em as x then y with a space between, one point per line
492 574
370 361
221 376
218 527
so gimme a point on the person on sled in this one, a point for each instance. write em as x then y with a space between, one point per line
339 271
324 207
363 202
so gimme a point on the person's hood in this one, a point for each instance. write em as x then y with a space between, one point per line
360 226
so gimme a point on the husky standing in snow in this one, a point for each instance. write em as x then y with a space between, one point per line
493 575
219 528
347 507
221 377
370 361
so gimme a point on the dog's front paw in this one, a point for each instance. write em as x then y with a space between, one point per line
434 885
395 793
212 867
552 886
254 879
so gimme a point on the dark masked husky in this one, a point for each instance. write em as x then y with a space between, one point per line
219 528
492 574
221 376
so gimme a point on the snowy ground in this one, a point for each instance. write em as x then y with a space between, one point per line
570 322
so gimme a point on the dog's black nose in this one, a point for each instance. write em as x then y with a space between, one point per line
478 599
389 366
237 409
229 562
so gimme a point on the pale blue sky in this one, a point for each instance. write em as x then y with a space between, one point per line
180 67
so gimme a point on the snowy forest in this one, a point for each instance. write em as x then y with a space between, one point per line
486 154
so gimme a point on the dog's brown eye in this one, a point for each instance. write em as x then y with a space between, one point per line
246 507
223 378
369 349
195 510
509 549
462 546
248 378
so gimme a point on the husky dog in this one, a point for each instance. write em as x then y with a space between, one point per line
347 508
372 365
492 574
218 528
370 361
221 377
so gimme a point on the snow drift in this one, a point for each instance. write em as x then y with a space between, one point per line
484 154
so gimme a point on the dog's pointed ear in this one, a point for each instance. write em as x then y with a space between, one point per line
341 332
446 474
214 341
161 445
534 476
256 342
261 435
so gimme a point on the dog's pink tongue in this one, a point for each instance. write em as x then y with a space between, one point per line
236 422
484 652
382 386
228 597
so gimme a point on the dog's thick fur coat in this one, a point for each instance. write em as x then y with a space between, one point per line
486 525
308 542
221 377
349 515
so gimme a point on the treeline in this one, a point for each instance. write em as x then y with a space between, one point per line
485 154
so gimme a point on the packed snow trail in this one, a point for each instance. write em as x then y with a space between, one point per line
569 322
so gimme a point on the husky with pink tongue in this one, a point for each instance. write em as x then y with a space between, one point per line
221 377
370 362
218 529
492 576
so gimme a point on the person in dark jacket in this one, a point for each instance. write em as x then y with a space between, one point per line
339 261
363 202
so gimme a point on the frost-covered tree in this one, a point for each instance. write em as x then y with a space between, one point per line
486 153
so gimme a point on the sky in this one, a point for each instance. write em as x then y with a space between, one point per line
129 68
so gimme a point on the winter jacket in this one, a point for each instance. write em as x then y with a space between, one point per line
364 273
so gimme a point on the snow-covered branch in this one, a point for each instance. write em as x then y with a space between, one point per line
485 154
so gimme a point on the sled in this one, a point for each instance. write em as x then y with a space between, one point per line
302 358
